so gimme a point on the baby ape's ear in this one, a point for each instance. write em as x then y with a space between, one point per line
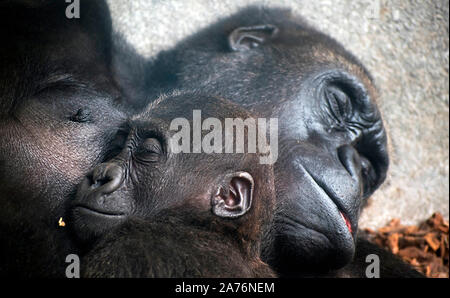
237 200
245 38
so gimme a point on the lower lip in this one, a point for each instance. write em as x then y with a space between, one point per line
347 222
99 213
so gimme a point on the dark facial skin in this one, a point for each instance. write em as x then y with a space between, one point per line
332 144
57 116
178 198
391 266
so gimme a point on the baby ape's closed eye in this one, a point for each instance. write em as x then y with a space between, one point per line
149 150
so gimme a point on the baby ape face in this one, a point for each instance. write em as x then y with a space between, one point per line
148 176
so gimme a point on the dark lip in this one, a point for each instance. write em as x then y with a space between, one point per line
88 223
342 212
99 212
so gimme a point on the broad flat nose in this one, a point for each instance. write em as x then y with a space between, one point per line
106 178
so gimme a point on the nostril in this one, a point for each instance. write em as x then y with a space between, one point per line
369 176
106 178
99 182
351 160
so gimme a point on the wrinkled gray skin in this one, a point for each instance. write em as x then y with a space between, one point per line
332 144
57 116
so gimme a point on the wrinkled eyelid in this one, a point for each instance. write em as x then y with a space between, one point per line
152 144
148 131
337 107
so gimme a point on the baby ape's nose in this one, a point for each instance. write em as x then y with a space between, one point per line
93 211
106 178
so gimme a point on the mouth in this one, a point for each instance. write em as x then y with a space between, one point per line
89 223
347 222
343 214
344 217
97 212
98 219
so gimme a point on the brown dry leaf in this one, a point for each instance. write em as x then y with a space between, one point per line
443 228
392 243
428 270
412 252
432 241
411 230
442 247
414 263
411 241
426 246
436 220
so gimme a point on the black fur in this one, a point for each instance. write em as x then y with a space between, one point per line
58 113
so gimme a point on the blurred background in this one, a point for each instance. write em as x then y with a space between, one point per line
404 44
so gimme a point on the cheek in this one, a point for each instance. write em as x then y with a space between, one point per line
65 161
42 161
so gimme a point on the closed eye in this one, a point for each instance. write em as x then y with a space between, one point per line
339 104
150 150
82 115
152 145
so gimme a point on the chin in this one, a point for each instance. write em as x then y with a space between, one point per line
88 224
301 249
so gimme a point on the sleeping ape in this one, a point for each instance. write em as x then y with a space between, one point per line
175 214
332 143
57 116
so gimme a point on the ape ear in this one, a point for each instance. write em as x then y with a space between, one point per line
237 199
246 38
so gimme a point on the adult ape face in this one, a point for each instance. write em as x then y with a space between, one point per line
332 153
57 116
